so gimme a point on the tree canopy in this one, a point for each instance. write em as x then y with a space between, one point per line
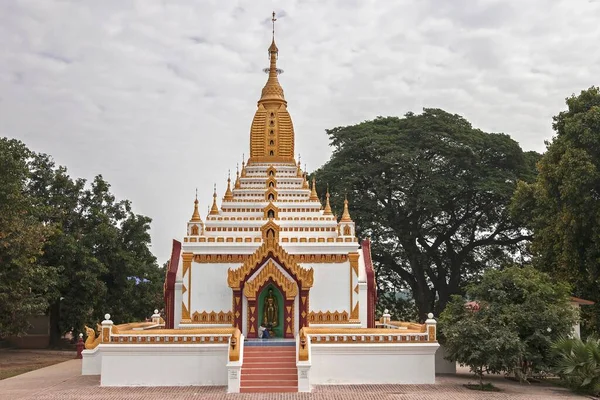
433 193
562 206
517 314
90 252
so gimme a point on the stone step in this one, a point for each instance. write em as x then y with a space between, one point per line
270 348
268 377
253 370
270 389
269 383
277 356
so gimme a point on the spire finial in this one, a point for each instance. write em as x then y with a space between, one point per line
237 184
313 191
273 19
196 214
327 210
214 209
228 193
346 214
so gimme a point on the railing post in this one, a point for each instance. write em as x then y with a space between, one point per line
386 318
107 325
156 317
431 324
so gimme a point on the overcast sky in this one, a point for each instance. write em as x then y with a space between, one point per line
158 96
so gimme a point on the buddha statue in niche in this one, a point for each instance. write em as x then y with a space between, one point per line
270 311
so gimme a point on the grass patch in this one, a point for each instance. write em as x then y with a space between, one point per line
486 387
15 362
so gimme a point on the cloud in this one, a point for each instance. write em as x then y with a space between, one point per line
159 96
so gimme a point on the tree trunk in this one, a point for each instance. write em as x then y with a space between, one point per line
55 331
423 300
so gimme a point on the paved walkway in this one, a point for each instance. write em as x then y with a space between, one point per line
64 381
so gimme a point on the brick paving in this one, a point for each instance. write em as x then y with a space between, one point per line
63 381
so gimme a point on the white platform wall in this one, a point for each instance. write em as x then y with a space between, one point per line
91 364
163 365
372 364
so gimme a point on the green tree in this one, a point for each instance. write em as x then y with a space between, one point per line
479 340
519 304
25 284
563 205
432 193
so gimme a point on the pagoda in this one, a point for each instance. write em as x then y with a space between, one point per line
269 252
269 260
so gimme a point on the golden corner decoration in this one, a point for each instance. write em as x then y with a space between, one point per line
235 277
91 342
271 271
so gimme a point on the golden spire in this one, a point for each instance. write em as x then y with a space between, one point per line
346 214
243 168
299 169
313 191
272 90
214 209
305 182
228 194
237 177
196 214
327 205
272 130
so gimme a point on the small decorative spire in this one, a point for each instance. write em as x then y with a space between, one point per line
346 214
214 209
305 182
196 214
299 168
228 194
237 177
327 210
243 169
313 191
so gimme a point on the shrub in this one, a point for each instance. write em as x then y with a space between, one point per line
578 363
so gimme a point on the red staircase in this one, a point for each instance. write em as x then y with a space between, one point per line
269 369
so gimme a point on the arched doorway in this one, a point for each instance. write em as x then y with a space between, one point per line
271 310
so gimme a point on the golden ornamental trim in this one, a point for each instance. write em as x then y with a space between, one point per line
270 248
187 262
354 313
270 271
328 317
212 317
298 258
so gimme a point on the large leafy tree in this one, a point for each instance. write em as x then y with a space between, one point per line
432 193
511 322
99 245
25 284
563 205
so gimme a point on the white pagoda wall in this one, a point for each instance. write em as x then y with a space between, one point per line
209 287
331 287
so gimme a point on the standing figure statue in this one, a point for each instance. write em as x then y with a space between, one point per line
270 310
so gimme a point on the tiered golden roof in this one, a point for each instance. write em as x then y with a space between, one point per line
272 131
